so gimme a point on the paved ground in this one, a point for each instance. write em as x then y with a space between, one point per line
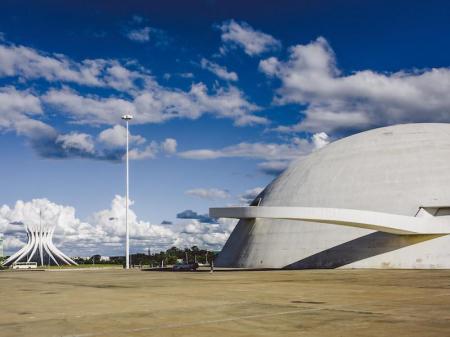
264 303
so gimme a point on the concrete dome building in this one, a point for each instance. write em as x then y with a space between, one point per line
377 199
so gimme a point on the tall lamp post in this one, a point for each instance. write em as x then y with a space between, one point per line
127 118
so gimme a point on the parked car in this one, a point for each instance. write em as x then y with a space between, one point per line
185 266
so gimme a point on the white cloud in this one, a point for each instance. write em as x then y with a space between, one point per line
320 140
360 100
139 34
212 236
116 137
269 66
277 156
168 76
13 243
16 107
136 30
219 71
149 152
156 106
139 93
208 193
90 109
112 222
269 151
169 146
76 141
29 63
104 231
18 110
132 81
242 35
249 195
35 211
18 113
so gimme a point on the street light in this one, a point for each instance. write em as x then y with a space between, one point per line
127 118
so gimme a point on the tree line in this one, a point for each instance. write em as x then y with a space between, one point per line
168 257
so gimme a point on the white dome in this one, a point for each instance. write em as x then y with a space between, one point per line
395 169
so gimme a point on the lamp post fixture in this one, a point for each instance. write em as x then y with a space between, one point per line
127 118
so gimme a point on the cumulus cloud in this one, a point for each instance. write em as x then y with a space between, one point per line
269 151
147 152
115 140
83 145
29 63
203 234
19 111
156 106
144 97
13 243
169 145
219 71
116 137
357 101
208 193
320 140
242 35
277 156
142 233
149 102
103 232
76 142
88 109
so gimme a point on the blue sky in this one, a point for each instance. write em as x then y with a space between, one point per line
225 95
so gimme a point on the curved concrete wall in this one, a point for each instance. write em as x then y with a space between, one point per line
395 170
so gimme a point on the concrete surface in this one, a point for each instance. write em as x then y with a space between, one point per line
244 303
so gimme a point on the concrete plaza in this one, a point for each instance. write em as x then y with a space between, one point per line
239 303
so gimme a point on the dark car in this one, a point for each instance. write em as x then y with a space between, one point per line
185 267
